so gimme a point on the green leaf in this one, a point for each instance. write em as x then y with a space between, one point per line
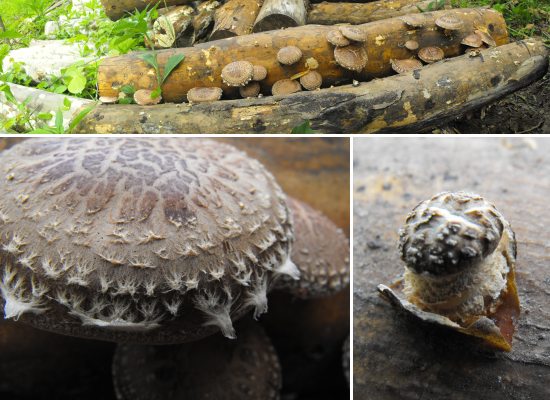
149 58
67 102
60 89
59 121
126 100
77 84
45 115
155 93
303 129
441 2
11 35
171 64
81 116
128 89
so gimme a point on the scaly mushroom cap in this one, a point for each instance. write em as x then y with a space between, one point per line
355 33
351 57
213 368
321 253
404 66
259 73
458 250
472 41
411 45
285 86
143 97
250 90
312 80
449 21
153 240
416 20
237 73
336 38
289 55
431 54
486 38
204 94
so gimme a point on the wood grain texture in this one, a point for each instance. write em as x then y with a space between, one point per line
234 18
277 14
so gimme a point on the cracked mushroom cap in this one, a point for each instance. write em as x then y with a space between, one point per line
321 253
143 97
404 66
411 44
416 20
312 80
351 57
354 32
250 90
289 55
431 54
449 21
472 41
237 73
285 86
152 241
259 74
486 38
336 38
204 94
213 368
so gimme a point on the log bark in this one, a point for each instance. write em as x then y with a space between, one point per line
406 103
174 26
117 9
354 13
234 18
277 14
203 63
202 24
394 356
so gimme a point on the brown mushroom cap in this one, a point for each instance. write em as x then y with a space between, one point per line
411 45
336 38
149 240
143 97
416 20
404 66
449 21
289 55
351 57
354 32
431 54
312 80
285 86
237 73
472 41
213 368
486 38
204 94
252 89
259 73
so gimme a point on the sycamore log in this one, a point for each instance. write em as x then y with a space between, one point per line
234 18
407 103
116 9
277 14
204 62
354 13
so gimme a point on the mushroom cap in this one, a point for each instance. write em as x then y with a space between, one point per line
259 73
312 80
472 41
449 21
204 94
150 240
354 32
486 38
213 368
404 66
289 55
321 253
143 97
351 57
252 89
431 54
411 44
336 38
285 86
108 99
417 20
237 73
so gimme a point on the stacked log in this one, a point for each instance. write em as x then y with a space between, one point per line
234 18
277 14
117 9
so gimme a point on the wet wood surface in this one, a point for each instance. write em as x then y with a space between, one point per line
395 356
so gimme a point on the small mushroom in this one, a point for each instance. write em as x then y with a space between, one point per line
431 54
486 38
472 41
143 97
252 89
415 20
449 22
354 32
404 66
108 99
411 44
285 86
336 38
237 73
312 80
204 94
259 74
289 55
351 57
